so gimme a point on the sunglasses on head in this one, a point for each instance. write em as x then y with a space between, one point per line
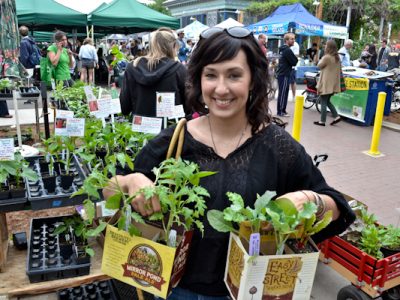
236 32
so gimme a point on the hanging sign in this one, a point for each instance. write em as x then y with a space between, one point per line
165 104
146 124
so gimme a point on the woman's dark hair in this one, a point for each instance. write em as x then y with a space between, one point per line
221 47
331 49
372 49
58 36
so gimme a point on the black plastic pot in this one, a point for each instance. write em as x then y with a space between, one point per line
66 181
49 182
389 252
5 93
18 192
4 192
80 255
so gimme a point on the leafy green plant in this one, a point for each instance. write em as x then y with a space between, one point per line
17 168
391 238
118 55
371 241
224 221
6 84
82 228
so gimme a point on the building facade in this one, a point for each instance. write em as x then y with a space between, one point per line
209 12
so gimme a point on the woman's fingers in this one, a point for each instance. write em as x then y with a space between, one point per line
145 207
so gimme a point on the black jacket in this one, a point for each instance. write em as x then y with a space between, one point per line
287 60
138 93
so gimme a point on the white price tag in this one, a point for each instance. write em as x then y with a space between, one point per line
146 124
76 127
6 149
165 104
61 122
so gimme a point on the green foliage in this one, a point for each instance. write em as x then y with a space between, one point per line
158 5
18 168
391 238
371 241
118 55
6 84
180 195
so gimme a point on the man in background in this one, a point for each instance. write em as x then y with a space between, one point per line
262 41
383 53
311 52
29 53
296 50
287 60
344 53
183 50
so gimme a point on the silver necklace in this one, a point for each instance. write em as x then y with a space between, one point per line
212 136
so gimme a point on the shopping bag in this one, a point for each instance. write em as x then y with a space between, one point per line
47 71
342 82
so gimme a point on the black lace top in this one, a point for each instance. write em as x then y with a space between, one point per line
269 160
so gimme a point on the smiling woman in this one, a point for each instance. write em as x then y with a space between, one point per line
228 85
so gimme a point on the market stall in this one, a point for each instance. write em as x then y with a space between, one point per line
359 101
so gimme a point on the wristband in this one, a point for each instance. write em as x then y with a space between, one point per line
321 205
304 193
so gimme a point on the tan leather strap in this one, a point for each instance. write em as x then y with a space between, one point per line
177 139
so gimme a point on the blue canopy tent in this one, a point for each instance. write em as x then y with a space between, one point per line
297 19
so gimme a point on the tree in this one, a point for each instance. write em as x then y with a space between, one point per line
158 5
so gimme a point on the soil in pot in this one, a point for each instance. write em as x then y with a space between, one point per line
80 255
300 248
17 190
49 182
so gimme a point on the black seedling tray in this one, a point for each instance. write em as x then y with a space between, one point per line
101 290
48 258
12 204
29 91
40 198
6 93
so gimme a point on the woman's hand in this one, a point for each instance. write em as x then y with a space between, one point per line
131 184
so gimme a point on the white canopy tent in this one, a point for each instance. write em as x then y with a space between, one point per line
193 30
228 23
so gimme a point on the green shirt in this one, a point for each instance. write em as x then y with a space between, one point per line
62 68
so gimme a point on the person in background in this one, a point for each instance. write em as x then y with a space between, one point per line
61 58
287 60
296 50
29 53
393 58
329 82
373 57
134 48
182 50
311 52
90 60
158 71
234 137
383 53
344 53
262 41
365 57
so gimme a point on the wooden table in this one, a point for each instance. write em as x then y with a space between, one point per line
15 282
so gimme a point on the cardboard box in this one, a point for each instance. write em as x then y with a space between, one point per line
143 263
266 277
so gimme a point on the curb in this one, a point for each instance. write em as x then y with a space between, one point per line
391 126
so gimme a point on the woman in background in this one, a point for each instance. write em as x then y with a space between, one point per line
61 58
89 59
158 71
329 81
373 57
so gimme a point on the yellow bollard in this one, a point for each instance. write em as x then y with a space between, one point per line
376 134
298 118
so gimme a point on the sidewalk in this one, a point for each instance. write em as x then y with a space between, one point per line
373 181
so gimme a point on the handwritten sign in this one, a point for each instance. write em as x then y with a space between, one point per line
6 149
89 93
146 124
76 127
165 104
178 112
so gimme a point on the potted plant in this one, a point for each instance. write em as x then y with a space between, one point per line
67 147
371 240
390 241
6 87
51 146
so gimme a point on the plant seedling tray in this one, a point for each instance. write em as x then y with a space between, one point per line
6 93
100 290
47 258
13 204
29 91
369 274
40 198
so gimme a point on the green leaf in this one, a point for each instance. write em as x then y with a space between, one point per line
134 231
89 251
287 206
218 222
96 231
114 201
263 200
309 209
89 209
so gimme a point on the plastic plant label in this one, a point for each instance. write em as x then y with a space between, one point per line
146 124
89 93
165 104
6 149
76 127
178 112
172 238
61 122
254 244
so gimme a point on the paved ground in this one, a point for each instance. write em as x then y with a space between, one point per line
374 181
